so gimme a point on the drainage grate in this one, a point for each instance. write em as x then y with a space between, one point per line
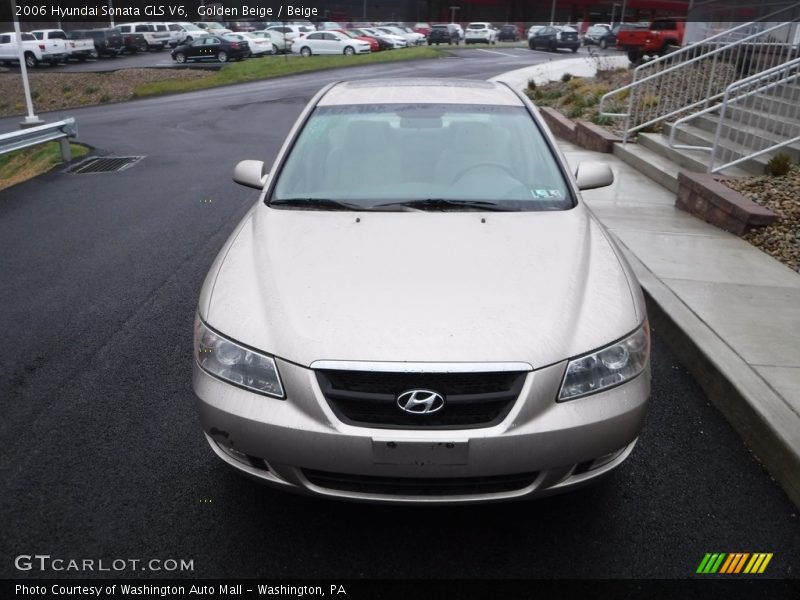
104 164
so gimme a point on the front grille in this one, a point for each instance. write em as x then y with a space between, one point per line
420 486
369 398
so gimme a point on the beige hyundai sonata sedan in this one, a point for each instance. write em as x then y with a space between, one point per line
420 308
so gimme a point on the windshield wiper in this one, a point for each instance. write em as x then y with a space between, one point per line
316 204
328 204
445 204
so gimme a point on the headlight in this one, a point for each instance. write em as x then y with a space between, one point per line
227 360
607 367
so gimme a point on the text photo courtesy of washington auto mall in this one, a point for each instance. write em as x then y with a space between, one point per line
380 299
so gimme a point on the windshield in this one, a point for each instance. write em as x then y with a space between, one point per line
367 155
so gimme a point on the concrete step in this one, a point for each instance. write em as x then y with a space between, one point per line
754 118
655 166
731 150
692 160
751 130
776 103
789 91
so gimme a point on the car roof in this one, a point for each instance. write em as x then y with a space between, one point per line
416 90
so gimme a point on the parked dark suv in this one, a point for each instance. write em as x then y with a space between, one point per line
107 42
441 34
508 33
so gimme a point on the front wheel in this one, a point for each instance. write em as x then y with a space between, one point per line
305 51
188 39
575 49
222 56
180 58
274 48
348 51
30 60
603 44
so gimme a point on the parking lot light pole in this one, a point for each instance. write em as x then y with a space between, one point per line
31 119
111 12
553 13
453 10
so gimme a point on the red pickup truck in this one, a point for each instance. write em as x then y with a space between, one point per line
662 34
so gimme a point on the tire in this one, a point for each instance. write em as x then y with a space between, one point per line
603 44
667 47
552 47
180 58
634 55
274 48
575 49
222 56
188 39
305 51
531 45
31 61
349 51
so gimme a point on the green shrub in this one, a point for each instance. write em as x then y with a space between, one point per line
91 90
566 77
531 84
778 165
602 120
575 112
104 98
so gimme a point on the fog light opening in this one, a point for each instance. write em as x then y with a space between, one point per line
235 454
605 459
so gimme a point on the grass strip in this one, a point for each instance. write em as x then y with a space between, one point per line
254 69
21 165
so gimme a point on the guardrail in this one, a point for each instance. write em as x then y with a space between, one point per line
33 136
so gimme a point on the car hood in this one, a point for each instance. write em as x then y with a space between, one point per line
535 287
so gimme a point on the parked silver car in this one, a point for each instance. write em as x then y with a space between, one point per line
420 307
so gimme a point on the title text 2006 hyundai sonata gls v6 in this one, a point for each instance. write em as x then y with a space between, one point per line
420 308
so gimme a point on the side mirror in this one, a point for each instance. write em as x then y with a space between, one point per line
590 175
250 173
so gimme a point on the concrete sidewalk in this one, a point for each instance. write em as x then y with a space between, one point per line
730 311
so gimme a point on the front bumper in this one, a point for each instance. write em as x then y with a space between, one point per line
540 447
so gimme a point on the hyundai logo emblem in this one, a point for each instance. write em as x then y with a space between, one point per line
420 402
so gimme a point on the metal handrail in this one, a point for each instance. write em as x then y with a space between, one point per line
726 100
33 136
696 52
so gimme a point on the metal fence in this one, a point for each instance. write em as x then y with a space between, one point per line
33 136
696 76
758 115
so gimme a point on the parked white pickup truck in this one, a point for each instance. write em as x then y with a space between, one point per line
80 49
35 51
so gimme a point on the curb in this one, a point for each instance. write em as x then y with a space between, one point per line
768 426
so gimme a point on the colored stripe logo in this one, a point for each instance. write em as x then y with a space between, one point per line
734 563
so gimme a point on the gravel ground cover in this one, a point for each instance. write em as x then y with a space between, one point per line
781 195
